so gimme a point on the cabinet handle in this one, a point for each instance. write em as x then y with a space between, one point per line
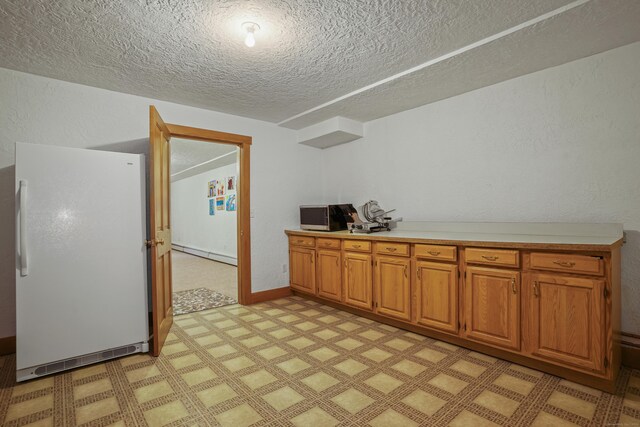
356 246
536 291
418 273
345 263
490 257
392 249
405 272
513 285
337 263
567 264
434 253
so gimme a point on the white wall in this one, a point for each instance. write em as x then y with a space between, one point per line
559 145
191 224
40 110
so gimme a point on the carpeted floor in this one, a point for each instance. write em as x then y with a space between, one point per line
296 362
199 299
193 272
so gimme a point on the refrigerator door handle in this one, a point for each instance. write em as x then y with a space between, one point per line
24 269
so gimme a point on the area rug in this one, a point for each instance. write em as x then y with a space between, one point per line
199 299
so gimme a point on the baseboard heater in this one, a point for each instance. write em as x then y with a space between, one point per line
76 362
204 254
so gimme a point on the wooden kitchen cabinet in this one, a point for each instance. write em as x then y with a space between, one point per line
436 288
393 287
329 274
492 306
567 320
357 280
302 269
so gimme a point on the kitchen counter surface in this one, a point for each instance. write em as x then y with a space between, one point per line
547 235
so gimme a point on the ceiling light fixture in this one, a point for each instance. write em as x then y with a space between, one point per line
250 28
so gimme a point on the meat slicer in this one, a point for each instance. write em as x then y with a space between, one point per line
376 219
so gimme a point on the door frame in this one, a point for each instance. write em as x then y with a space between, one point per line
243 143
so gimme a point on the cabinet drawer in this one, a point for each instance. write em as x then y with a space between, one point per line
582 264
302 241
502 257
328 243
400 249
357 245
445 253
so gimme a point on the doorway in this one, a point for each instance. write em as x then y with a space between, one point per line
203 212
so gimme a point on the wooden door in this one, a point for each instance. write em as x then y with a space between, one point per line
357 280
492 306
567 320
302 274
160 229
329 274
393 287
437 295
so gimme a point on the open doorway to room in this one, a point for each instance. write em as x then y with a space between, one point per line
204 223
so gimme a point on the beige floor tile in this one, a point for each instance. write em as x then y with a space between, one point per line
632 401
199 376
274 312
89 389
31 386
225 324
446 346
398 344
295 306
186 321
28 407
283 398
289 318
526 370
430 355
328 319
272 352
174 348
483 357
258 379
448 383
95 410
142 373
300 343
582 388
306 326
222 350
377 355
214 316
253 341
391 418
383 383
424 402
215 395
198 330
468 368
293 366
315 417
326 334
47 422
319 381
408 367
238 332
467 419
310 313
371 335
323 354
352 400
349 344
514 384
351 367
240 416
251 317
544 419
267 324
208 340
281 333
185 361
238 363
497 403
349 326
89 371
572 404
152 391
166 414
415 336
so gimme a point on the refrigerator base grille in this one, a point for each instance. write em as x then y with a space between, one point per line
76 362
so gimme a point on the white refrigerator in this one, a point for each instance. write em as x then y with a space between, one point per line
81 285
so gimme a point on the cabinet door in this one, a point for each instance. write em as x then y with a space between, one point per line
302 269
357 280
567 320
492 306
329 275
437 295
393 287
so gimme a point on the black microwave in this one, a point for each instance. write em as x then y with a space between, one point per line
326 217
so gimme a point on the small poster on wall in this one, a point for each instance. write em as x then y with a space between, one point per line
231 183
220 203
212 188
212 206
231 203
220 188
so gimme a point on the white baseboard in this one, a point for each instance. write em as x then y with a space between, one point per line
204 254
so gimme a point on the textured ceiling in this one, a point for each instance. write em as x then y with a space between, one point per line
186 154
308 52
